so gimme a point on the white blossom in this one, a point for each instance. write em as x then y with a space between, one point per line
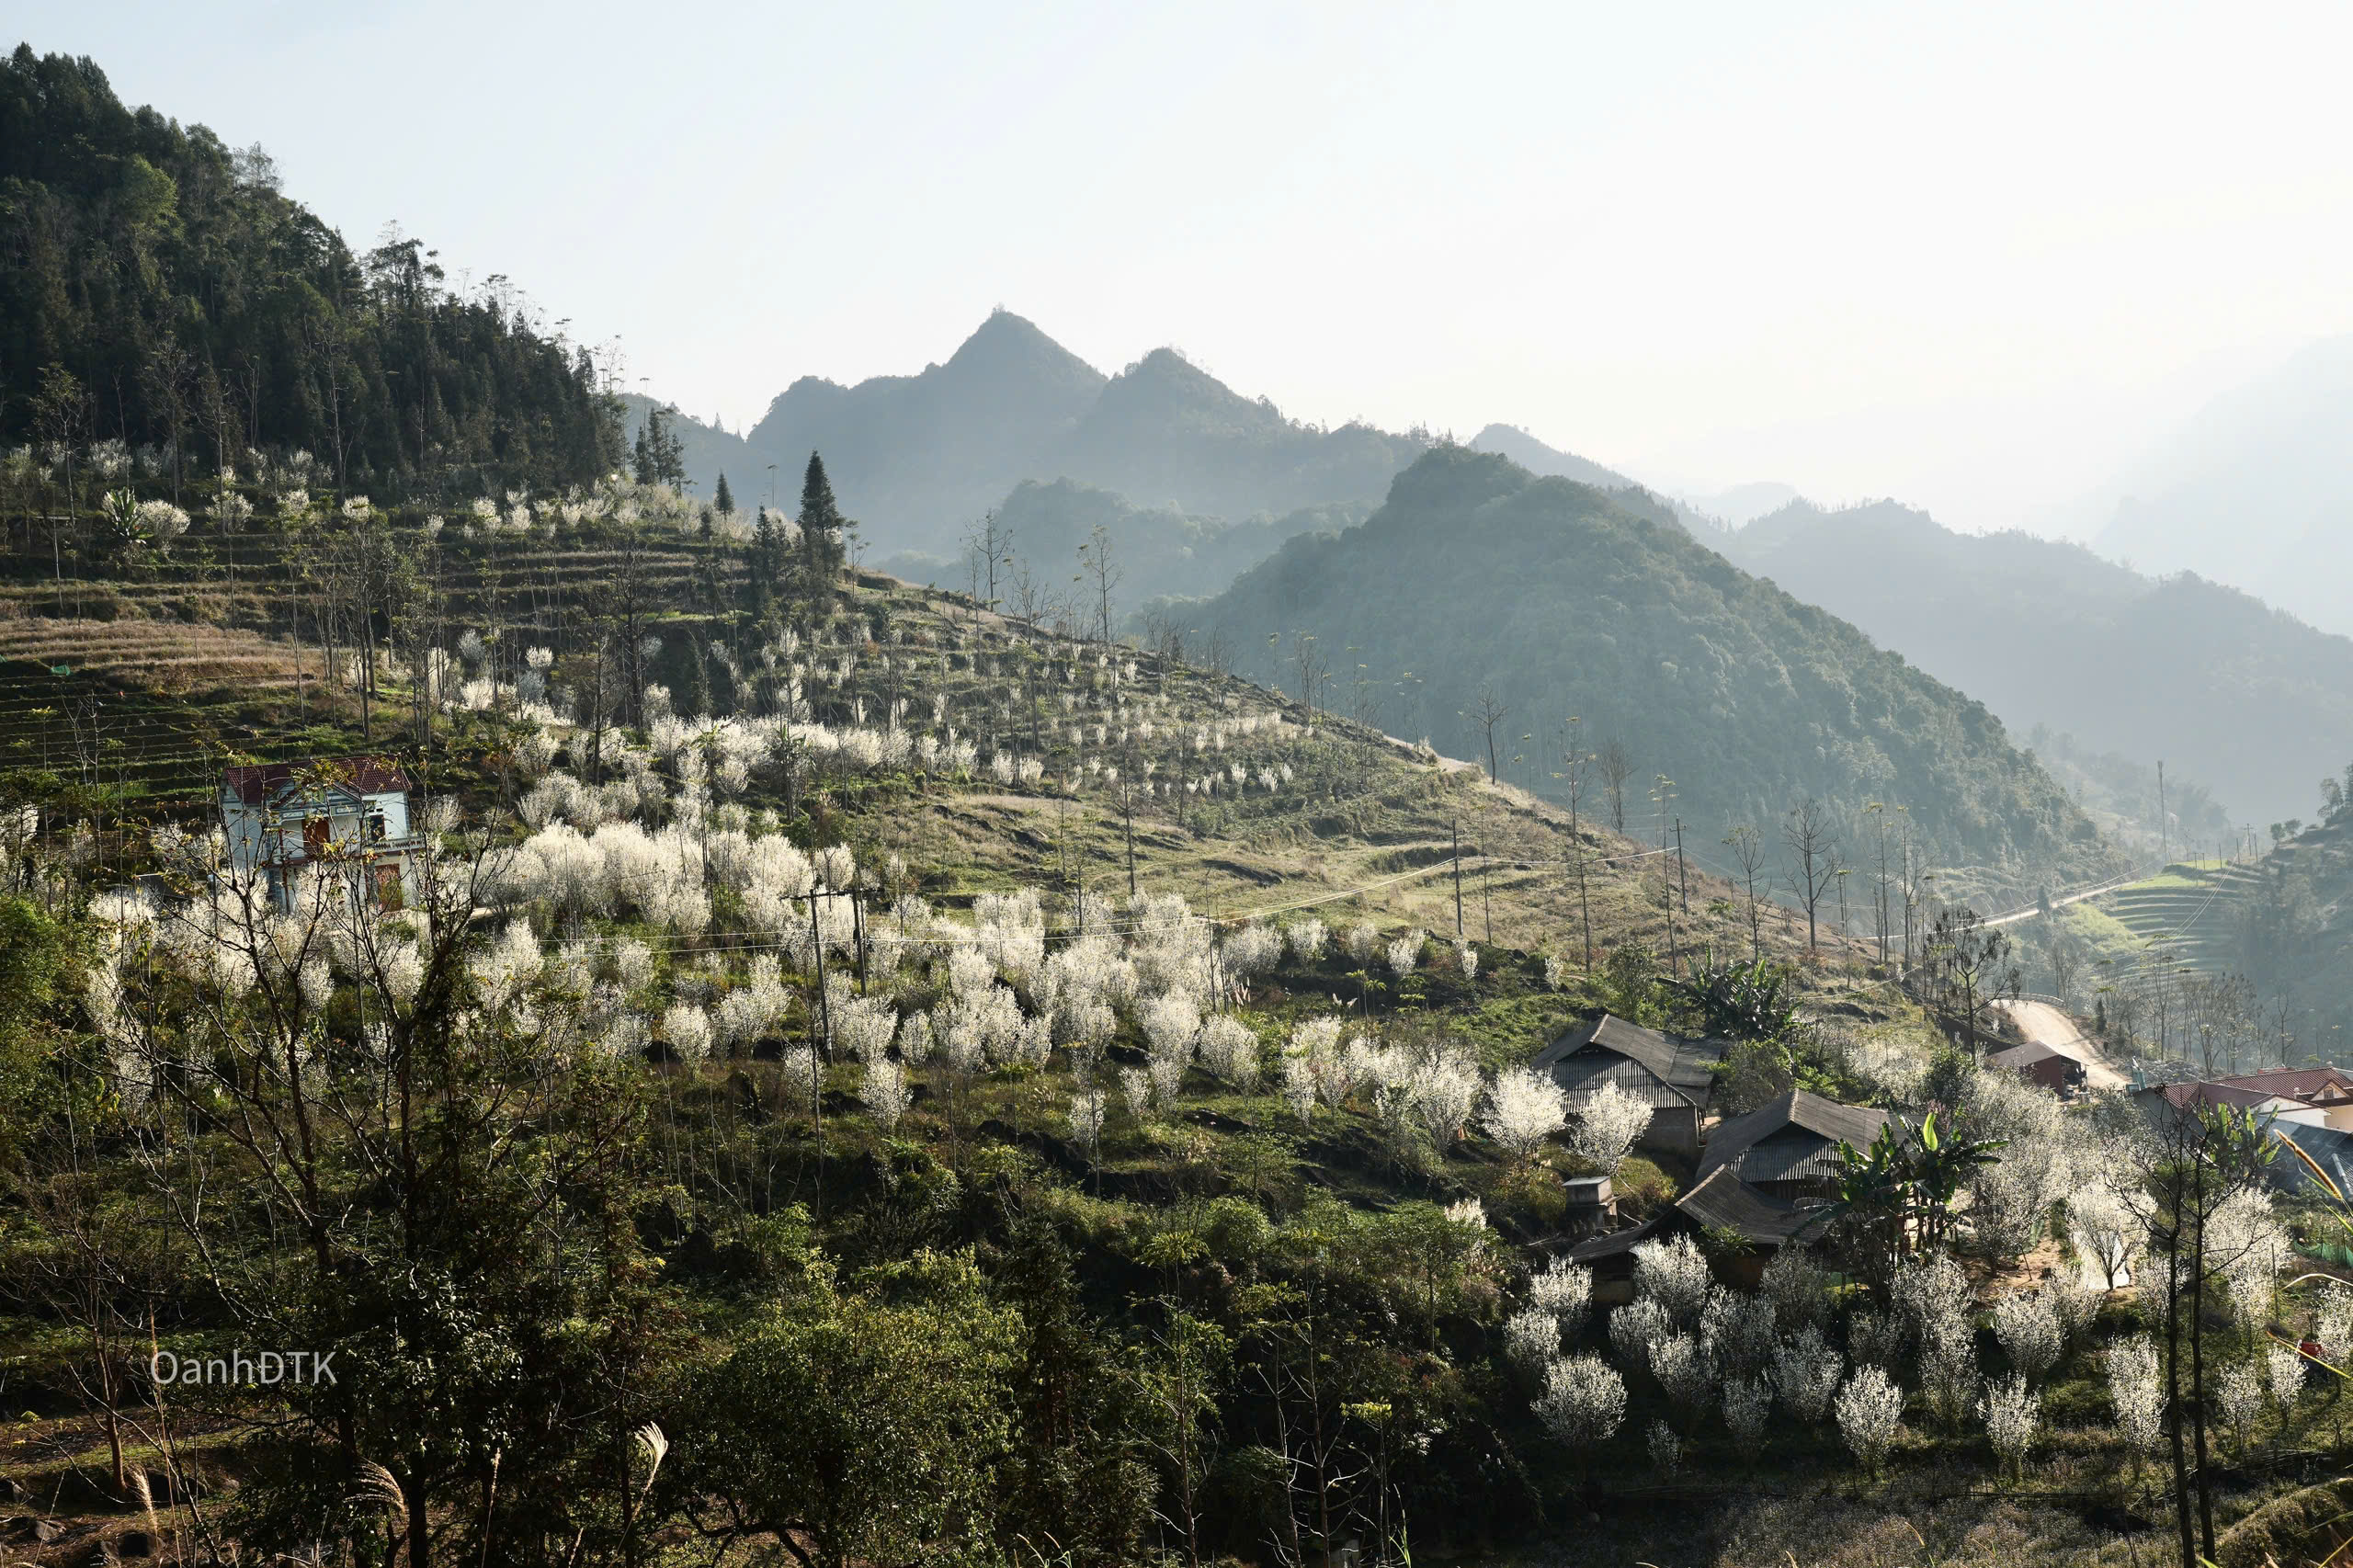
1583 1401
2011 1412
2134 1391
1805 1373
2029 1330
1675 1274
1524 1106
1870 1409
1564 1289
1608 1121
886 1093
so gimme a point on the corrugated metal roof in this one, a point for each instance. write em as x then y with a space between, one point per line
1677 1067
1722 1201
1804 1129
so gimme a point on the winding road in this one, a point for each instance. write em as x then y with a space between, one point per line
2046 1025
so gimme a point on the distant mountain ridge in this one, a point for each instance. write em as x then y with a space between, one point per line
1566 600
915 459
2246 699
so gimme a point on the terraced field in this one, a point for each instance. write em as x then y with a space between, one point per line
2192 905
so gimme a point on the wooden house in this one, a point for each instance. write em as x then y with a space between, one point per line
1788 1148
1671 1074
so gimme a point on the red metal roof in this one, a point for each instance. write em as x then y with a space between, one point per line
365 775
2293 1083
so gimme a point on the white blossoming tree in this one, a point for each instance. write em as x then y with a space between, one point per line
1608 1121
1524 1106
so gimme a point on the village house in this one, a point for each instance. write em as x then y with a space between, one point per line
2040 1065
1788 1148
1743 1225
285 821
1671 1074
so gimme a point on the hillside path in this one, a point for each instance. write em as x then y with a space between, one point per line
2046 1025
2031 910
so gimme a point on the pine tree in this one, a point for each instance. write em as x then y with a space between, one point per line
693 698
820 524
723 499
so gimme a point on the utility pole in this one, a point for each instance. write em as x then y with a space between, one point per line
1487 902
2164 854
1458 877
817 1051
1682 872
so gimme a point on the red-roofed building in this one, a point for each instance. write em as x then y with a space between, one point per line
287 820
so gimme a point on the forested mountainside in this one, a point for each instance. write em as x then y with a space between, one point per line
2254 490
159 290
917 459
1037 531
1563 601
2246 700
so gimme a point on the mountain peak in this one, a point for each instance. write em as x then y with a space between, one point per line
1007 343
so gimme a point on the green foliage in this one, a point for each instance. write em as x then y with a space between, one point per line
1734 1000
870 1420
153 262
39 956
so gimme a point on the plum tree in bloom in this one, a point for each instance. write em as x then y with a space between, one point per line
1466 958
1564 1289
1251 951
1406 951
1607 1123
1870 1408
1086 1107
1665 1447
1798 1288
2284 1370
1532 1338
1231 1051
1583 1401
1307 937
2335 1325
2011 1411
688 1029
914 1039
1363 941
2134 1390
1737 1332
1556 971
1135 1086
2103 1228
2239 1394
1683 1371
1747 1402
1170 1023
1675 1274
886 1093
1635 1327
2029 1330
1805 1373
1524 1106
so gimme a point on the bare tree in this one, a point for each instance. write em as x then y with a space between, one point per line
1486 712
1813 844
1748 853
1099 562
1309 667
988 554
1615 768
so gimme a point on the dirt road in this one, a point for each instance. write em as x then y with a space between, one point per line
2046 1025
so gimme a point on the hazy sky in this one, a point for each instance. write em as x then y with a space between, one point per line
1974 256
